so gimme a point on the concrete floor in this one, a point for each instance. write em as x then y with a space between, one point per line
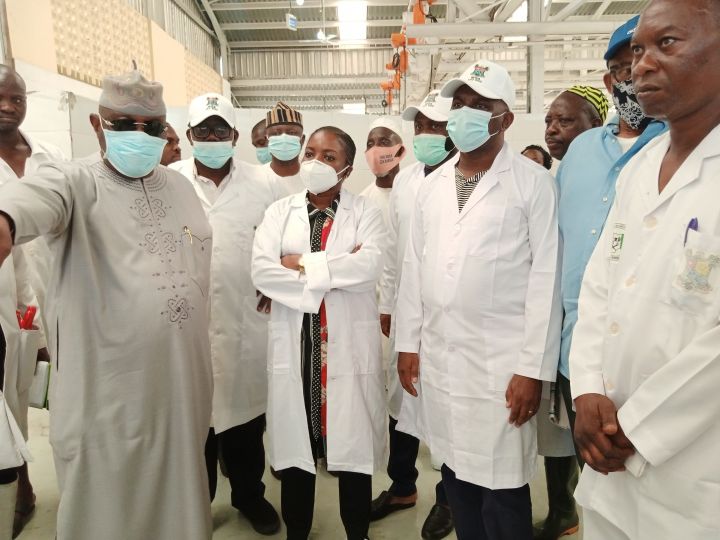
229 525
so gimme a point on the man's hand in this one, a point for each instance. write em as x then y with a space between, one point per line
598 434
291 262
385 324
264 303
522 397
408 366
5 239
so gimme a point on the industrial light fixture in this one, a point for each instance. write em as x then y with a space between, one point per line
352 19
320 35
299 2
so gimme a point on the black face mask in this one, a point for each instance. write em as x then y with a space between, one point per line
627 105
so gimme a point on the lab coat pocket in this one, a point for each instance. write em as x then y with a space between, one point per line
696 274
279 347
29 341
482 236
367 347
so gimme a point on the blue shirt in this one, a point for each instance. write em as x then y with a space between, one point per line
586 182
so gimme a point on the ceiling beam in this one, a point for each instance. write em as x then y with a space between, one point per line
516 66
568 10
280 25
475 30
220 34
317 81
311 92
315 4
507 10
602 9
377 43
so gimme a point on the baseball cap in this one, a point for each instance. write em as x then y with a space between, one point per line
621 37
434 106
488 79
207 105
392 123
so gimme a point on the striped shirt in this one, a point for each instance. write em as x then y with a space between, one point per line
465 186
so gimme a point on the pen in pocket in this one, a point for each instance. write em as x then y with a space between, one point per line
693 225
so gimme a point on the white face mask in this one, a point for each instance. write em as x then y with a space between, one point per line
319 177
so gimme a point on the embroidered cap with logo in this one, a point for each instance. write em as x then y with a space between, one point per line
488 79
434 106
207 105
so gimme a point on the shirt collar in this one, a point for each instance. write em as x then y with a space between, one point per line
329 211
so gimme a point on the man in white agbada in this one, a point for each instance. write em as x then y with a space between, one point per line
645 356
432 149
384 150
285 139
235 200
477 317
132 384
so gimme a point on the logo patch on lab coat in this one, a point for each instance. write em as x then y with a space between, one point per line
618 239
698 268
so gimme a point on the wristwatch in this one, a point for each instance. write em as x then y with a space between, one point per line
301 265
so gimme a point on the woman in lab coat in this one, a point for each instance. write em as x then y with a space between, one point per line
317 255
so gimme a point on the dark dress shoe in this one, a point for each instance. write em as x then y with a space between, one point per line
383 506
438 524
262 516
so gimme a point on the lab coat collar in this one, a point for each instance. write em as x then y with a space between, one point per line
502 163
689 171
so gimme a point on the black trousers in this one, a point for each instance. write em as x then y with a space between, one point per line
564 384
488 514
242 450
298 503
401 465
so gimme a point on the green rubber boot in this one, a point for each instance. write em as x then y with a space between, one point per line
562 518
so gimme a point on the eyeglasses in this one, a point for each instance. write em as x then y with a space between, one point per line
154 128
203 132
622 72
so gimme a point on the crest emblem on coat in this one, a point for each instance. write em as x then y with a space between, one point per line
212 104
479 72
696 275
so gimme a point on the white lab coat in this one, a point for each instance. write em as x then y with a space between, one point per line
291 184
479 300
14 285
238 332
648 338
356 418
399 217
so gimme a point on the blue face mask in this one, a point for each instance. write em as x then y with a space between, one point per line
134 154
469 128
263 154
213 154
430 149
284 147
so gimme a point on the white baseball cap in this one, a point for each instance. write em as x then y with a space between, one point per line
488 79
392 123
208 105
434 106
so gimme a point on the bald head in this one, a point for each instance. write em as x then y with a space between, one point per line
13 100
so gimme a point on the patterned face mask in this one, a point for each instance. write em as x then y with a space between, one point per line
627 106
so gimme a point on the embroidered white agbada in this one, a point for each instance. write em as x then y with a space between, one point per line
132 388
